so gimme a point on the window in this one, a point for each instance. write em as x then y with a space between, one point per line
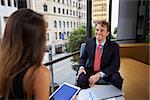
79 6
47 36
64 23
58 10
55 23
60 24
45 7
73 4
68 24
76 4
5 19
74 24
56 35
46 23
15 3
70 2
62 1
9 3
67 11
67 34
54 9
3 2
59 35
74 13
63 11
58 0
70 12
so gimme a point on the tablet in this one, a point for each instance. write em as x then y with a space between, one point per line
65 92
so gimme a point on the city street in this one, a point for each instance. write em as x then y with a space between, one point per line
63 71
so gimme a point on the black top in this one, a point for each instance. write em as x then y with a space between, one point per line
18 91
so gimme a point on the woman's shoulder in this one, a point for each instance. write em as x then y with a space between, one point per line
41 85
42 71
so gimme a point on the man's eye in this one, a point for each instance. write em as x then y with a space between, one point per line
102 30
96 29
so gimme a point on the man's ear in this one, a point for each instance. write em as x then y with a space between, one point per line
107 33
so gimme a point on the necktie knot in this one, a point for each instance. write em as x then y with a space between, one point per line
99 45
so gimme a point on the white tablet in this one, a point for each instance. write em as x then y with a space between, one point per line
65 92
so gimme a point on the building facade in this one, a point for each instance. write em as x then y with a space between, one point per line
100 10
7 7
62 16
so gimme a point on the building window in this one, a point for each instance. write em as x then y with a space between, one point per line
68 24
74 13
63 11
60 24
76 4
2 2
55 23
59 35
70 2
45 7
15 3
67 12
47 36
56 35
73 4
70 12
62 1
67 34
58 0
74 24
46 23
5 19
9 3
64 23
54 9
58 10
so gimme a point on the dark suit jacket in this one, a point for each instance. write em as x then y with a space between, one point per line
110 59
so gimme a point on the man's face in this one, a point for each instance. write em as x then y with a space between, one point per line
101 33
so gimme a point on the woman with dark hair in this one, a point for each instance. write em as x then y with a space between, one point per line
22 75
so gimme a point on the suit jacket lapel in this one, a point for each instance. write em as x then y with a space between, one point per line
104 53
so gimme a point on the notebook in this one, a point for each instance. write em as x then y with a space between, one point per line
65 92
106 91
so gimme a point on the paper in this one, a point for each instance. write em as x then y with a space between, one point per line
86 94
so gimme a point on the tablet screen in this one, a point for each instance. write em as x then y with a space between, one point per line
65 92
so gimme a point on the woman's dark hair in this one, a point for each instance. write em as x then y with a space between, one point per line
22 46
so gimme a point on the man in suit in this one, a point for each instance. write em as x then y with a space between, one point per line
103 60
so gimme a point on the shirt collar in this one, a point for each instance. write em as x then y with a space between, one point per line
102 44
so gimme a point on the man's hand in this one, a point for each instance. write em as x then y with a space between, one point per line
81 70
94 78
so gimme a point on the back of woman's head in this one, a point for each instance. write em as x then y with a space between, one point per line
22 46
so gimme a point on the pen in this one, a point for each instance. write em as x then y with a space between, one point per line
91 95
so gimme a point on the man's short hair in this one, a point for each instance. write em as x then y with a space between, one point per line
104 24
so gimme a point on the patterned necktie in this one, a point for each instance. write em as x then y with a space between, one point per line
97 60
